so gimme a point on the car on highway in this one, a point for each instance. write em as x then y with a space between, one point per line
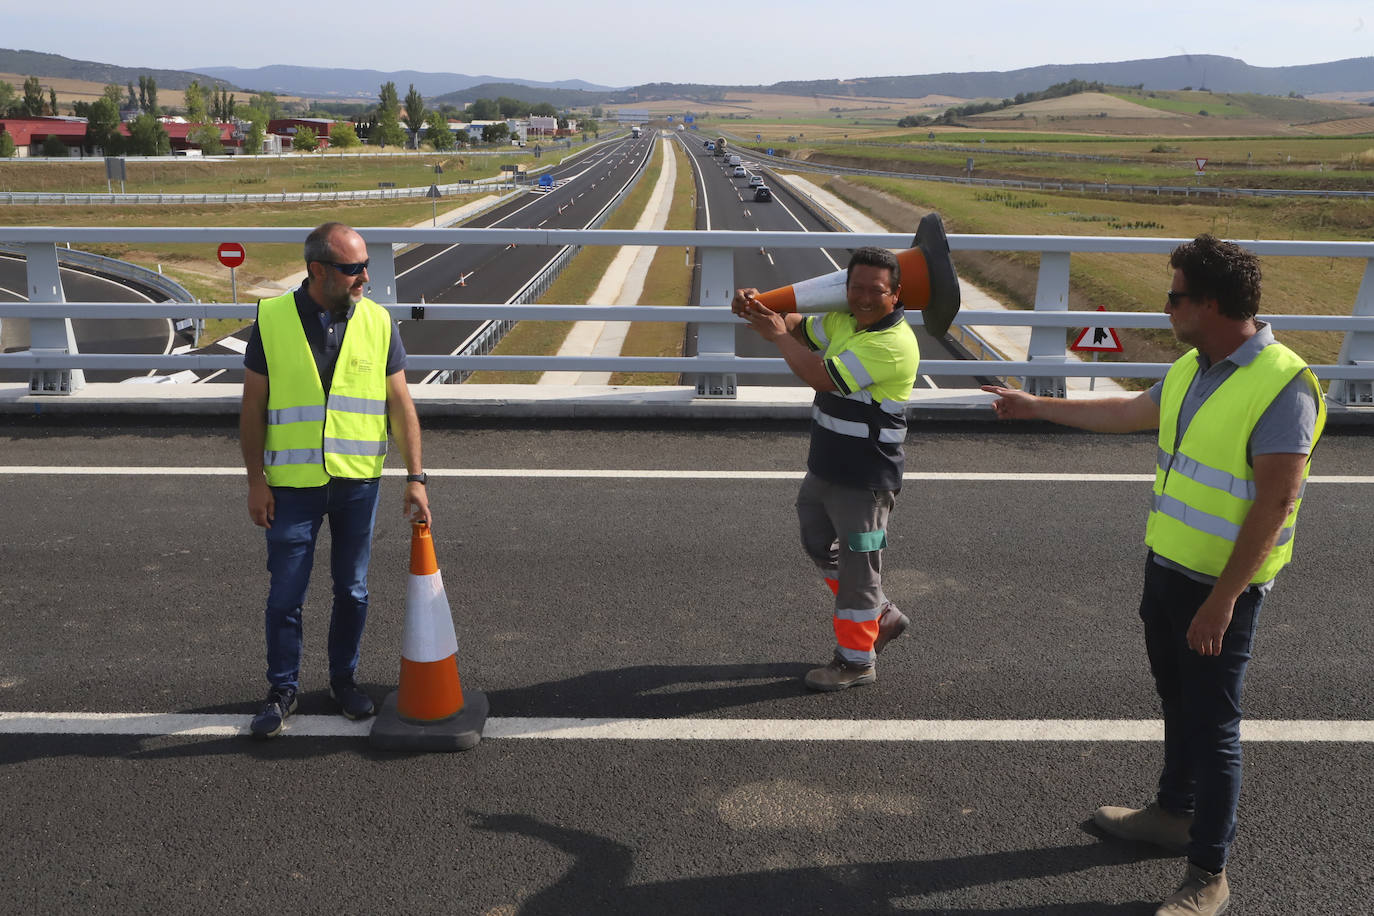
740 171
755 180
763 193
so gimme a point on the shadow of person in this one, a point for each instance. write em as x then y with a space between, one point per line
598 881
653 691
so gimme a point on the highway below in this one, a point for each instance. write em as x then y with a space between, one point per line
93 335
456 274
633 600
726 201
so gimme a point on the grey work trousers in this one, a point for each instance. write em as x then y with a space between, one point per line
844 531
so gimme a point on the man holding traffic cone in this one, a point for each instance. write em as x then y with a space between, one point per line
429 712
862 363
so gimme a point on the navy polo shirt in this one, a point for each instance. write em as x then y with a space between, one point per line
324 331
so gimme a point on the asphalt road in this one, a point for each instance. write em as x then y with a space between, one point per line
727 202
93 335
679 600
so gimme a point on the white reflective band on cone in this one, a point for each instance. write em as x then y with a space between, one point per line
428 635
822 294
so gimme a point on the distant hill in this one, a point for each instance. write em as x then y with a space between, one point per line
55 66
333 82
1198 71
558 98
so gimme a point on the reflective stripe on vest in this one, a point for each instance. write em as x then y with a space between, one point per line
311 439
1204 485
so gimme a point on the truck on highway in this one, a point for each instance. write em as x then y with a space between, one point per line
636 132
720 146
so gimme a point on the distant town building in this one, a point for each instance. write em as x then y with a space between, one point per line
287 127
29 134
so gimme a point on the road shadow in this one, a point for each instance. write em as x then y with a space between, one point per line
598 881
653 691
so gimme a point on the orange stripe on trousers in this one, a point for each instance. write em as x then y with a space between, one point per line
851 634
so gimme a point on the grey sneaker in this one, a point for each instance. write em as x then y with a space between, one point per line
839 674
1147 825
1201 894
891 624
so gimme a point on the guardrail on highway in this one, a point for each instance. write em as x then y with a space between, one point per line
113 267
1044 370
474 186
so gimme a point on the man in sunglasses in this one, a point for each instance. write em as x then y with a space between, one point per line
323 375
1238 417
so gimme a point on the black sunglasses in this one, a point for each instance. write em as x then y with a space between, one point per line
1174 297
349 270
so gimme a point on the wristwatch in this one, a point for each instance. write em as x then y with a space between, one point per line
422 479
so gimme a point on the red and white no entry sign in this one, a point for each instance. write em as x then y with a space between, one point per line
231 254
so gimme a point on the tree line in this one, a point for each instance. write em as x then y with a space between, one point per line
206 107
952 115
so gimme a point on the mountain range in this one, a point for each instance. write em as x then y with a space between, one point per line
1199 71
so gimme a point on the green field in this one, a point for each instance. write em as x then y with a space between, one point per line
323 172
1317 286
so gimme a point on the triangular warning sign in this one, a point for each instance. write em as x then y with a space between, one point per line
1098 340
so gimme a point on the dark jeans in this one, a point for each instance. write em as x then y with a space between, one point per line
1200 696
351 507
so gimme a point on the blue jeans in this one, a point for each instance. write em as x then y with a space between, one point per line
1200 696
351 506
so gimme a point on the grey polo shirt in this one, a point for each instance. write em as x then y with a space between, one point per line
1287 426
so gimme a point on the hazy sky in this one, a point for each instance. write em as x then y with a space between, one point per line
619 44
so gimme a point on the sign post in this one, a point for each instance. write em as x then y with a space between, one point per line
434 195
231 255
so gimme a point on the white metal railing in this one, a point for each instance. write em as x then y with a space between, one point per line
1045 369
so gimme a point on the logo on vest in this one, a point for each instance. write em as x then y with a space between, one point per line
360 365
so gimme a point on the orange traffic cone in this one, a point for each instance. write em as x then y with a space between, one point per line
430 711
929 282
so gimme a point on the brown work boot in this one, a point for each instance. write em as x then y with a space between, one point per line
1201 894
891 624
1147 825
840 674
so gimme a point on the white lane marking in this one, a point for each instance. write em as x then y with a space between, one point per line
622 729
20 296
802 226
930 381
441 252
626 474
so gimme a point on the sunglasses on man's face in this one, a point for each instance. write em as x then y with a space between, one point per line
348 270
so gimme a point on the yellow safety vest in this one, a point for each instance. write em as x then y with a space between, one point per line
311 439
1204 486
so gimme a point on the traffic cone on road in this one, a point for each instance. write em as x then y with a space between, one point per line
929 282
429 712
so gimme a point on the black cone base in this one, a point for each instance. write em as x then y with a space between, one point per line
944 282
459 732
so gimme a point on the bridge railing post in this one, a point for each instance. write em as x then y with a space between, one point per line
1047 344
717 288
381 272
1357 349
49 335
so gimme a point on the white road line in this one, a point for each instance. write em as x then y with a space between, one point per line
626 474
802 226
622 729
441 252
